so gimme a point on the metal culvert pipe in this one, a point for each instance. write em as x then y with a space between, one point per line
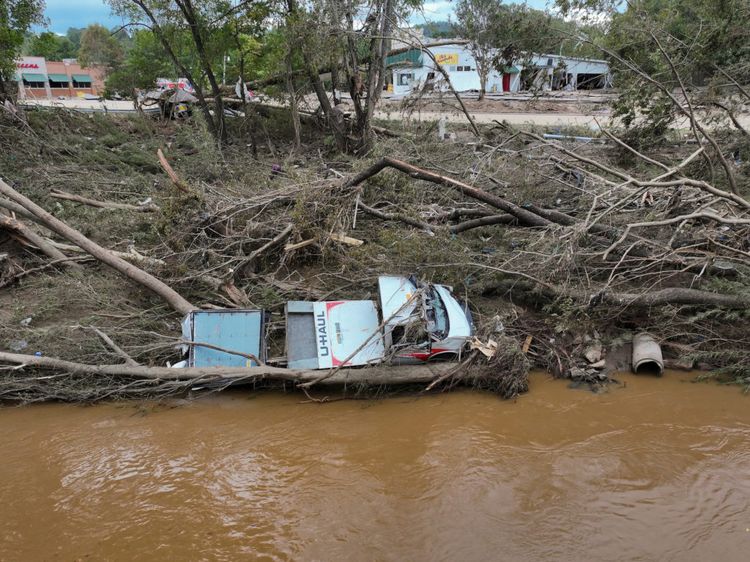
647 355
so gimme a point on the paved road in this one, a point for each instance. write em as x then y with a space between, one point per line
546 119
551 119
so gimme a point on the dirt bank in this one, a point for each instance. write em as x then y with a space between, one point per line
552 287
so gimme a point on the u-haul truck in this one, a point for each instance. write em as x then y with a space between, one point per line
414 322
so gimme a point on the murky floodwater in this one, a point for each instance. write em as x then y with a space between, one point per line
659 470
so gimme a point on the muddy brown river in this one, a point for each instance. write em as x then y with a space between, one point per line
657 470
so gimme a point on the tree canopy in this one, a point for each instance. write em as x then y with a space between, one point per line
16 18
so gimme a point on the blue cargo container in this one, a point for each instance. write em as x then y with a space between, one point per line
235 330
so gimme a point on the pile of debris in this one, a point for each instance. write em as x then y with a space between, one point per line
556 240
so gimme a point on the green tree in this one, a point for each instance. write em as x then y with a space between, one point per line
501 35
440 30
477 22
206 24
328 36
522 32
51 46
74 36
144 62
671 56
16 18
100 49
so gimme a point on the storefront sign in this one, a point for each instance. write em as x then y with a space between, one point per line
447 58
27 65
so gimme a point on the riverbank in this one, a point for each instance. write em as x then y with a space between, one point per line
563 250
654 469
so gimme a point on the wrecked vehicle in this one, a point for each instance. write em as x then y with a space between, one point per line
413 322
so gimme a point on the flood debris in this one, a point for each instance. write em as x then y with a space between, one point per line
545 241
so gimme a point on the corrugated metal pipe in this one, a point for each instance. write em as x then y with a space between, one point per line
647 355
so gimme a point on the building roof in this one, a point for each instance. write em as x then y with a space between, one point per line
412 57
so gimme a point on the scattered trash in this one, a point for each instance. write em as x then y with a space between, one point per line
18 345
348 240
26 321
551 136
527 344
488 349
593 353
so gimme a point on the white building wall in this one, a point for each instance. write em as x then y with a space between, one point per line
32 65
461 67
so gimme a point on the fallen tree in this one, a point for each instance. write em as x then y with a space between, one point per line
377 375
524 217
174 299
28 236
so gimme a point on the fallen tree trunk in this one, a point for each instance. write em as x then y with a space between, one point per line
677 295
131 255
397 217
35 239
247 262
176 181
524 217
146 208
378 375
524 289
175 300
482 221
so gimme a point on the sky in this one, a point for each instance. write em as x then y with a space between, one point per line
442 9
63 14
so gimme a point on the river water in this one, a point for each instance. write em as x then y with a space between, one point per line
656 470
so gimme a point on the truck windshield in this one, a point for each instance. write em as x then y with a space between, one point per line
440 315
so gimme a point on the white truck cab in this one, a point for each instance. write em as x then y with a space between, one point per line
416 322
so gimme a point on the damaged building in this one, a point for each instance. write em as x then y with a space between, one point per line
410 69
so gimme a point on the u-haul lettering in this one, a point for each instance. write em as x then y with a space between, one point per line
320 323
323 343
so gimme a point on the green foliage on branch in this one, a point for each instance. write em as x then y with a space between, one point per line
99 48
52 46
16 17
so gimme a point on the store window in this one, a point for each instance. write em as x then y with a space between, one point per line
405 79
34 80
58 81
